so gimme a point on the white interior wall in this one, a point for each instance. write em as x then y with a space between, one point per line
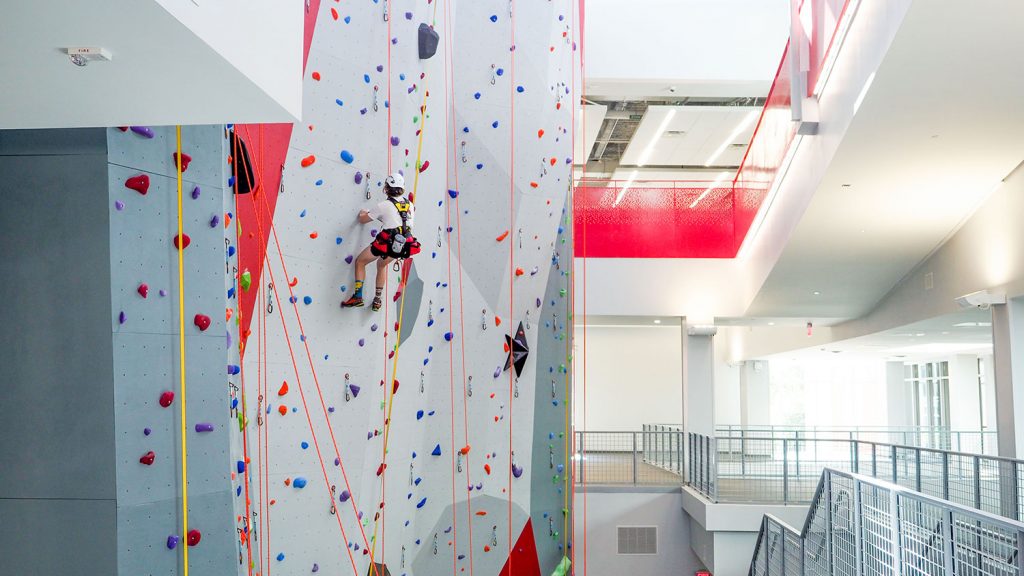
964 400
828 391
727 386
634 377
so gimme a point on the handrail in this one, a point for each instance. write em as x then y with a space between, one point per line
884 528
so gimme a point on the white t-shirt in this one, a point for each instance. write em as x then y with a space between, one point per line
388 214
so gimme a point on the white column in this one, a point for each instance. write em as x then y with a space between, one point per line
1008 360
698 378
754 396
899 395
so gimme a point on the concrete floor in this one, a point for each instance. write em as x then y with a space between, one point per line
617 468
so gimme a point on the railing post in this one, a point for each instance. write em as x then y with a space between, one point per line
874 460
855 459
785 471
917 464
782 550
895 470
977 482
858 533
947 541
828 518
945 475
894 523
634 458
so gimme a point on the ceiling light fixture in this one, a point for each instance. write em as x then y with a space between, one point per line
743 125
863 93
721 178
624 189
646 154
657 321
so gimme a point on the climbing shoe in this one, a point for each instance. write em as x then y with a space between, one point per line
376 304
353 302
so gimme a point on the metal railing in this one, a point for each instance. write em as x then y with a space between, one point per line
941 437
653 456
858 525
786 471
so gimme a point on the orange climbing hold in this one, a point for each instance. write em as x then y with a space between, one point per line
314 235
283 389
534 185
497 320
464 450
287 481
481 513
308 161
282 410
503 236
487 468
519 272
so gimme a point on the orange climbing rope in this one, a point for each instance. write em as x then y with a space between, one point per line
244 425
449 37
276 294
181 356
511 257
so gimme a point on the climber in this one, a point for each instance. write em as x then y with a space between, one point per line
395 240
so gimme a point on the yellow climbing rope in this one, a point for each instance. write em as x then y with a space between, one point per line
181 358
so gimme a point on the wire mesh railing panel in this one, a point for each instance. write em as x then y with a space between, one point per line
921 538
933 474
792 552
776 542
648 458
845 540
876 527
962 477
989 489
984 547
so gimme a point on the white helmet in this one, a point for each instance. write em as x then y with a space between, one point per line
395 180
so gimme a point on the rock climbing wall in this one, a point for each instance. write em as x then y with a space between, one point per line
144 296
398 435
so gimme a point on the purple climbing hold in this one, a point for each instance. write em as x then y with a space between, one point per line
215 221
234 369
362 342
121 318
163 293
195 193
538 302
147 431
204 427
344 496
497 371
373 327
408 15
143 131
359 177
355 390
395 141
380 67
316 567
348 259
118 205
172 542
337 461
517 471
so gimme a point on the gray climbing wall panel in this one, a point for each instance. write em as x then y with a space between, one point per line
57 433
146 350
453 394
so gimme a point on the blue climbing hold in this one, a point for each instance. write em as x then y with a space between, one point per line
419 414
448 336
305 445
494 17
453 193
307 300
477 95
240 466
366 78
347 156
437 451
520 89
299 482
494 124
421 503
280 556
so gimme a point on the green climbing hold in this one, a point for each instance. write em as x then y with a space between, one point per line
563 567
561 292
245 280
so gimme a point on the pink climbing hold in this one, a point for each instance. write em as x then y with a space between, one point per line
185 159
194 536
143 290
138 183
148 458
202 321
167 398
185 241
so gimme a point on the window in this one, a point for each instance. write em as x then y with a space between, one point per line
930 388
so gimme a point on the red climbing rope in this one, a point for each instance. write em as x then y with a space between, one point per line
511 257
462 313
448 117
276 293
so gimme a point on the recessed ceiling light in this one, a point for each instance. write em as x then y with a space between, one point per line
743 125
919 334
846 185
816 293
771 323
657 321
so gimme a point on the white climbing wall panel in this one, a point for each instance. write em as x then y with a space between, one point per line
488 159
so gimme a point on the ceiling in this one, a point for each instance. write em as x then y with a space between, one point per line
938 128
691 135
162 71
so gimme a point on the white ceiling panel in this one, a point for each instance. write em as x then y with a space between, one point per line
691 136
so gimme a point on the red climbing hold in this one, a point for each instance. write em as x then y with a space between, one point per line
308 161
167 398
185 241
185 159
487 468
314 235
334 13
381 468
294 282
282 410
283 389
534 185
424 166
519 272
540 133
194 536
394 388
143 290
464 450
503 236
202 321
148 458
138 183
497 321
316 76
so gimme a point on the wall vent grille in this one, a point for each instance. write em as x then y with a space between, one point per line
638 539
